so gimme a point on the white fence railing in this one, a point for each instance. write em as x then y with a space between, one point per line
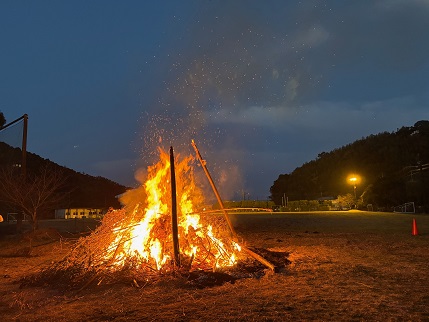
406 208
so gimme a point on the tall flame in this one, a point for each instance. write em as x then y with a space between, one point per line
143 236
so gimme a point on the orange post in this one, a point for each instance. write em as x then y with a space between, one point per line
415 232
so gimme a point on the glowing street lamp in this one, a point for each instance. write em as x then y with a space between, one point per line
354 180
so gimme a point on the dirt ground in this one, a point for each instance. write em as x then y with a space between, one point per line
345 266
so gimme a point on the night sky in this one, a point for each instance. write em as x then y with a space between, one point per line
262 86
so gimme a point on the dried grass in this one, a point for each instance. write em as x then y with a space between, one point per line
345 275
93 260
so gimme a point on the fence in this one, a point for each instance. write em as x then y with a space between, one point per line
406 208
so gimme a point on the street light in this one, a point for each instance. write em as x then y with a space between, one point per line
353 181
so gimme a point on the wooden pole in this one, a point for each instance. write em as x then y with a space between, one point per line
175 230
259 258
219 200
24 148
231 228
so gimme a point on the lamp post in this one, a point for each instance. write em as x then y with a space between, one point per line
353 181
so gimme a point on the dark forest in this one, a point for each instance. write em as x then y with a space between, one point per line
392 169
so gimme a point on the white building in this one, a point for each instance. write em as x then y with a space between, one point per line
79 213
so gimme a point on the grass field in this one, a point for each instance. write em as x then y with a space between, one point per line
345 266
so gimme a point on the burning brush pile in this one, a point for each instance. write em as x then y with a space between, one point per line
161 232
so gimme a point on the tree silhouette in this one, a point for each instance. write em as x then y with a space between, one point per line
36 192
393 167
2 120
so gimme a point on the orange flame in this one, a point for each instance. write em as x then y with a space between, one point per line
144 236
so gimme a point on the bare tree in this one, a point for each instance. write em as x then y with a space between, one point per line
346 201
37 191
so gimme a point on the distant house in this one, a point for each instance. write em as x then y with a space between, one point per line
70 213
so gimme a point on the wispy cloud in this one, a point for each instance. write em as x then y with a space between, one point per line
324 114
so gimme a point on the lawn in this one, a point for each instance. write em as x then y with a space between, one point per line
345 266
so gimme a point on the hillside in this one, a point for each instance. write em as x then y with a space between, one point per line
392 167
80 190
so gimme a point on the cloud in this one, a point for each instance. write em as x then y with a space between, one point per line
265 142
326 115
237 59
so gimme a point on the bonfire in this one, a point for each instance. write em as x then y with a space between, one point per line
163 230
141 234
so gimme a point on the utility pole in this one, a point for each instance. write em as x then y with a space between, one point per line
24 148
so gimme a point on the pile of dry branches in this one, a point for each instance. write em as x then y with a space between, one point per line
94 259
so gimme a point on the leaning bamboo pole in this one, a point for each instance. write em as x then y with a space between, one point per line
225 213
216 192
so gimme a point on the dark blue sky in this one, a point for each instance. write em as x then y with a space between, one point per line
262 86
